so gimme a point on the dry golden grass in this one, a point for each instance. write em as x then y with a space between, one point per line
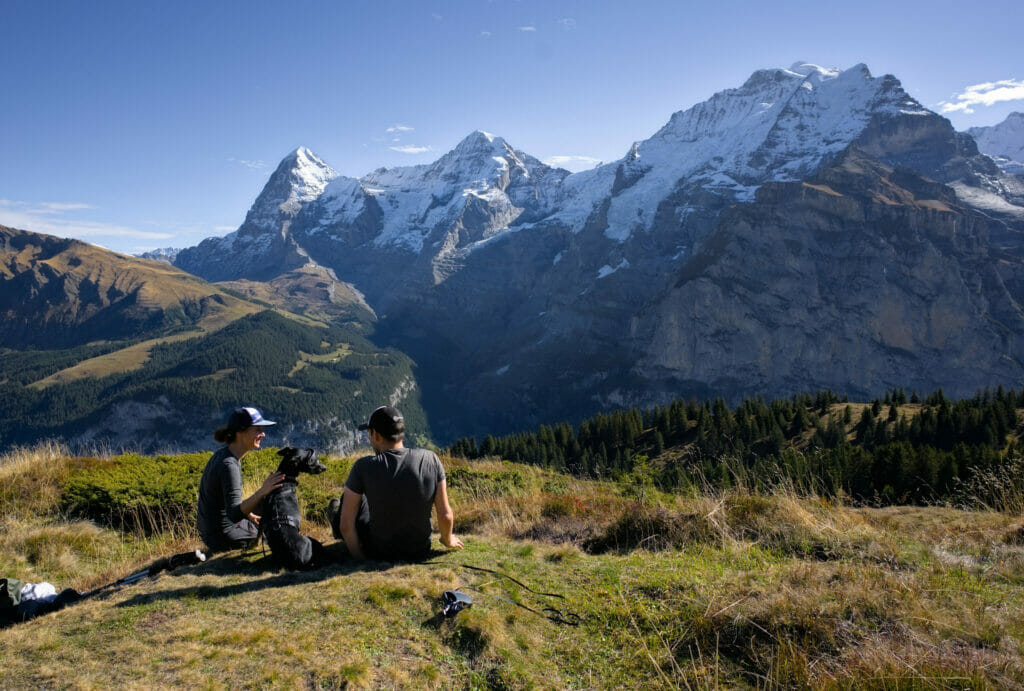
730 589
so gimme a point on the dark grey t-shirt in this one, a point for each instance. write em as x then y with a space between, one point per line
220 499
399 486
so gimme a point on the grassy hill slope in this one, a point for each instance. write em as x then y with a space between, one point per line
729 588
64 293
105 350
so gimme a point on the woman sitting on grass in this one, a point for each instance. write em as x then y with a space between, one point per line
225 521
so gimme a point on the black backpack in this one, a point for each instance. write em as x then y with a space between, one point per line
10 595
10 598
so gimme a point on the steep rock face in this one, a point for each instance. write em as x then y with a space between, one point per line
863 278
263 246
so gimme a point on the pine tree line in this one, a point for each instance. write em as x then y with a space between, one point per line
895 449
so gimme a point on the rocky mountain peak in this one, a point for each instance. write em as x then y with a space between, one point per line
299 178
780 125
481 156
1003 142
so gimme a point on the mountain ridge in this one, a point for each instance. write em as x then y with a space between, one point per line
100 349
524 292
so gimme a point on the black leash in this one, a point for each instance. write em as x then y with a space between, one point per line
164 564
503 575
559 616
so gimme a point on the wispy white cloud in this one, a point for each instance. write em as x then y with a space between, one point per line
568 23
410 149
573 163
527 28
986 94
52 207
485 34
252 165
436 16
48 218
398 128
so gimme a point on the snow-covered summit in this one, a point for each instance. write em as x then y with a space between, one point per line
1003 142
482 171
307 177
300 178
779 125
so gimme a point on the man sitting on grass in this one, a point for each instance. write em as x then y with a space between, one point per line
384 512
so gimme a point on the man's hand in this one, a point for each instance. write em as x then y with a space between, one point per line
350 503
254 518
452 542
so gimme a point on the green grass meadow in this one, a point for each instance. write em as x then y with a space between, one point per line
713 589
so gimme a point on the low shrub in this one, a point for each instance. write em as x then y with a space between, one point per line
137 492
158 493
653 528
479 483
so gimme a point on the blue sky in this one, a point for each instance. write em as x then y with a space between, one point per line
137 125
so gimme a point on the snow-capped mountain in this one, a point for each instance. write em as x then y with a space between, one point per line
166 255
262 246
513 284
474 192
1003 142
780 125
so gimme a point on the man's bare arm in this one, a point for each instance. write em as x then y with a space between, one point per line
445 517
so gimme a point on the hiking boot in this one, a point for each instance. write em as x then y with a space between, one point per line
334 517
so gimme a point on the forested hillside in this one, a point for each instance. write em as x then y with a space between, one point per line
894 449
316 381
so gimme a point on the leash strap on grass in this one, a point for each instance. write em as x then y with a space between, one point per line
559 616
505 575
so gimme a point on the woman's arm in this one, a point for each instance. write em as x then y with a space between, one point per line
231 481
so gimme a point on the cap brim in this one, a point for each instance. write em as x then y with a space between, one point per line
263 423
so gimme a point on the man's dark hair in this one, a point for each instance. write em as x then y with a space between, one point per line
387 422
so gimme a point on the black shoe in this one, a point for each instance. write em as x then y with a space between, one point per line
334 517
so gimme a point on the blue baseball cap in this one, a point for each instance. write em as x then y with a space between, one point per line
244 418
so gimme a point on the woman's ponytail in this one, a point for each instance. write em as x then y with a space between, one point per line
224 435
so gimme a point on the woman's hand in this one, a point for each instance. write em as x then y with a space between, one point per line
273 481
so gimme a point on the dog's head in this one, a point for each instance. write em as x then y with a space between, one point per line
295 461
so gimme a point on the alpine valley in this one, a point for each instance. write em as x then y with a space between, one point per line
811 229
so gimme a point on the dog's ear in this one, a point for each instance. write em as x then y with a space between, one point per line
310 463
289 460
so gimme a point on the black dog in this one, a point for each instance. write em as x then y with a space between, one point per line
281 520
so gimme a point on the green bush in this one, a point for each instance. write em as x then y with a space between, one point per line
136 492
481 483
154 494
